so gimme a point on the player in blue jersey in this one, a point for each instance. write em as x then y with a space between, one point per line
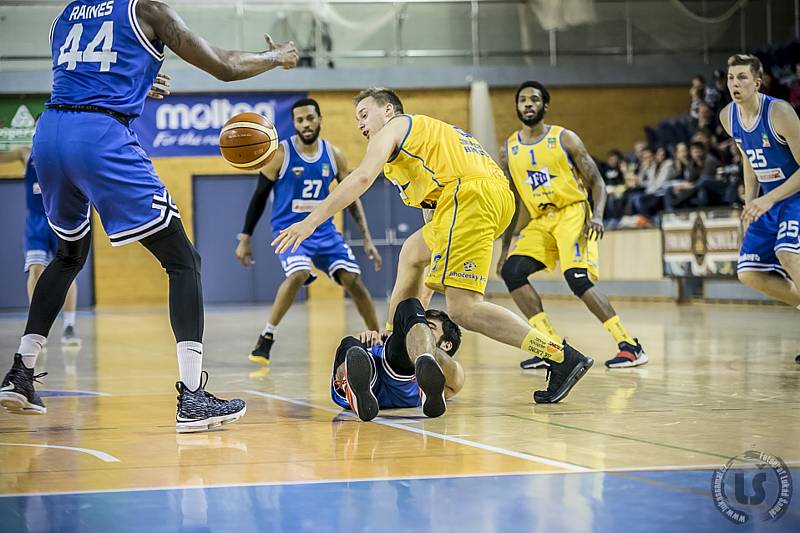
415 367
767 131
106 56
301 173
41 243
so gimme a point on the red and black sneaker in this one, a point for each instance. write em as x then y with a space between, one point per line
628 356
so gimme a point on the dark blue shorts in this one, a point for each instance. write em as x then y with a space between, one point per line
778 230
41 244
85 159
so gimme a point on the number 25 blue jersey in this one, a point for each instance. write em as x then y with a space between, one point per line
102 57
769 155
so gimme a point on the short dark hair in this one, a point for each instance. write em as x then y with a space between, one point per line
698 144
616 152
383 96
738 60
534 85
304 102
450 330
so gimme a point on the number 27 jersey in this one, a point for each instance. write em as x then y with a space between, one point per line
102 57
768 153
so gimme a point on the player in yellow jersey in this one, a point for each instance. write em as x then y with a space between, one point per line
445 170
547 167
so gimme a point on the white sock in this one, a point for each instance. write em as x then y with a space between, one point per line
269 328
69 318
29 347
190 363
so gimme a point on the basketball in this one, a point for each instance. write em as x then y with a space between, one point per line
248 141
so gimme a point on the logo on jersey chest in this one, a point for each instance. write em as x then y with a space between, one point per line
514 150
765 140
298 170
551 142
538 178
37 189
326 170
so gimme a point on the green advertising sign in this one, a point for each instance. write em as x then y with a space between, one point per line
17 120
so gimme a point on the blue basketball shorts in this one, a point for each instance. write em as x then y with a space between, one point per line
392 390
324 249
41 244
85 159
777 230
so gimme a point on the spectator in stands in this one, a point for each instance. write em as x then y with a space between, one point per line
613 176
771 86
694 190
794 91
697 92
731 176
650 202
718 96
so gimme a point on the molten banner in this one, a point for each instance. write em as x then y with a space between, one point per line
188 125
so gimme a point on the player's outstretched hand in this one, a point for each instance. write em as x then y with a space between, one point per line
370 338
594 229
160 87
372 252
292 237
755 208
244 252
286 52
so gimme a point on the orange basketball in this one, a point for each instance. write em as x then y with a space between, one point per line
248 141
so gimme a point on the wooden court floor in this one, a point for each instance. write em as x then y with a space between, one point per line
631 449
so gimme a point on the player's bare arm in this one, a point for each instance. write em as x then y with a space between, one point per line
427 215
453 373
591 176
356 210
17 154
787 125
258 202
160 22
380 148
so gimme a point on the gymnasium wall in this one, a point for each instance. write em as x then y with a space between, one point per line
605 118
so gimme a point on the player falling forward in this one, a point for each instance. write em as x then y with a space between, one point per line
41 243
443 168
301 173
106 56
414 367
767 131
545 164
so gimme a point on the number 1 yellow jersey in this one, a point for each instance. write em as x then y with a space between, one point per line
433 155
543 173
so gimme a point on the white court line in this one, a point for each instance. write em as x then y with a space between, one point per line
103 456
420 431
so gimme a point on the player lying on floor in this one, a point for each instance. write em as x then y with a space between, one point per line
413 367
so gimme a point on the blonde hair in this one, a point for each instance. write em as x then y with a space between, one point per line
739 60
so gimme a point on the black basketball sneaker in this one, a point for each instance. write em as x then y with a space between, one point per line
260 353
358 374
431 380
199 410
17 393
563 376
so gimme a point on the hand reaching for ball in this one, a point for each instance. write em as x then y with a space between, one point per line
285 53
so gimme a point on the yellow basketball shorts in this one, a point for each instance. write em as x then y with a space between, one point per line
558 236
470 215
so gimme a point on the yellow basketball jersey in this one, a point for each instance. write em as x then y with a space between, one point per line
543 172
432 155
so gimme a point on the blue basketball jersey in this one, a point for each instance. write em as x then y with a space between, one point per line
33 192
302 184
769 155
102 57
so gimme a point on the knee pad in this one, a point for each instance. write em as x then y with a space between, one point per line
578 280
516 270
408 313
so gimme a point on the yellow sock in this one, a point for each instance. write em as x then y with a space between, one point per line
617 330
389 327
541 322
542 346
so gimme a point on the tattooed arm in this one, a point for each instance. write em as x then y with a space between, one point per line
591 176
356 210
160 22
